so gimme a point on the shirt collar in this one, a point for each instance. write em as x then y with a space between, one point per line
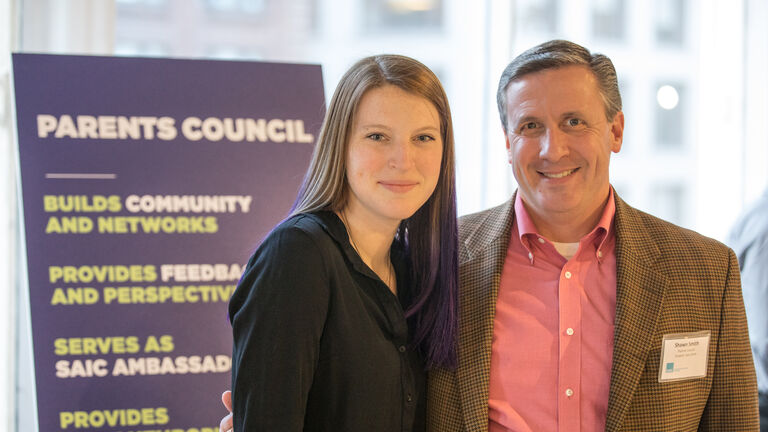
335 228
599 234
331 224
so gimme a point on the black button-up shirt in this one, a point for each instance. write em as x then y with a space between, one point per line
320 342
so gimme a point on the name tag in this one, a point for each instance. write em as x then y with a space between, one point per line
684 356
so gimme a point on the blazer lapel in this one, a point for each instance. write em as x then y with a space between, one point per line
484 247
639 298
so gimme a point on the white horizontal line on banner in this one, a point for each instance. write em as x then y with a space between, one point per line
80 176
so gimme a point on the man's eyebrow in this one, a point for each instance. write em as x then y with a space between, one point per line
572 114
524 119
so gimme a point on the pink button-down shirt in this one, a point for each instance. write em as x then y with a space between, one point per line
553 331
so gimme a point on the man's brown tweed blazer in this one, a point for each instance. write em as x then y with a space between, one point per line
669 280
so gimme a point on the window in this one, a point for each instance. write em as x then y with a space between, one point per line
221 29
668 202
142 3
236 6
140 49
670 22
624 89
608 19
404 14
145 8
670 118
538 16
230 52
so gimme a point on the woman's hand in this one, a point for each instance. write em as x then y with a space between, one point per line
226 422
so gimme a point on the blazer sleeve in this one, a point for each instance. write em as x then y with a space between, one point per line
732 404
278 312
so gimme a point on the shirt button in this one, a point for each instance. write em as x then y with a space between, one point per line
569 331
401 348
409 398
599 254
530 255
541 240
567 275
568 392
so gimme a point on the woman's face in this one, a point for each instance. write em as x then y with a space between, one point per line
393 157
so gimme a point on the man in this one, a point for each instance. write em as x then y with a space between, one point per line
567 293
749 239
579 312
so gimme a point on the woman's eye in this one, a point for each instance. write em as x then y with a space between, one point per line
376 136
425 138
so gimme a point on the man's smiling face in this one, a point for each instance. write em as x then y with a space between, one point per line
559 142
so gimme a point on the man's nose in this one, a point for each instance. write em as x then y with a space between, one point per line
554 145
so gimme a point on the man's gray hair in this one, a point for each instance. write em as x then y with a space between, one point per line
555 54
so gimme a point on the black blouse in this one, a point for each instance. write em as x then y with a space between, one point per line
320 342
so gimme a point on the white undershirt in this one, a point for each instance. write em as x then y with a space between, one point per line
568 250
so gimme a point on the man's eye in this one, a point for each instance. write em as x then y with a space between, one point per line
575 122
528 126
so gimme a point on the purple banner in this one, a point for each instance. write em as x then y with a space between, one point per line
146 184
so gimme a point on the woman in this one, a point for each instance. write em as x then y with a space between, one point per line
346 302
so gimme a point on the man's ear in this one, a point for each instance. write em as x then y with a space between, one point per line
509 147
507 144
617 132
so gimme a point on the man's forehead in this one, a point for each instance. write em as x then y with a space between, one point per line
570 88
570 74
